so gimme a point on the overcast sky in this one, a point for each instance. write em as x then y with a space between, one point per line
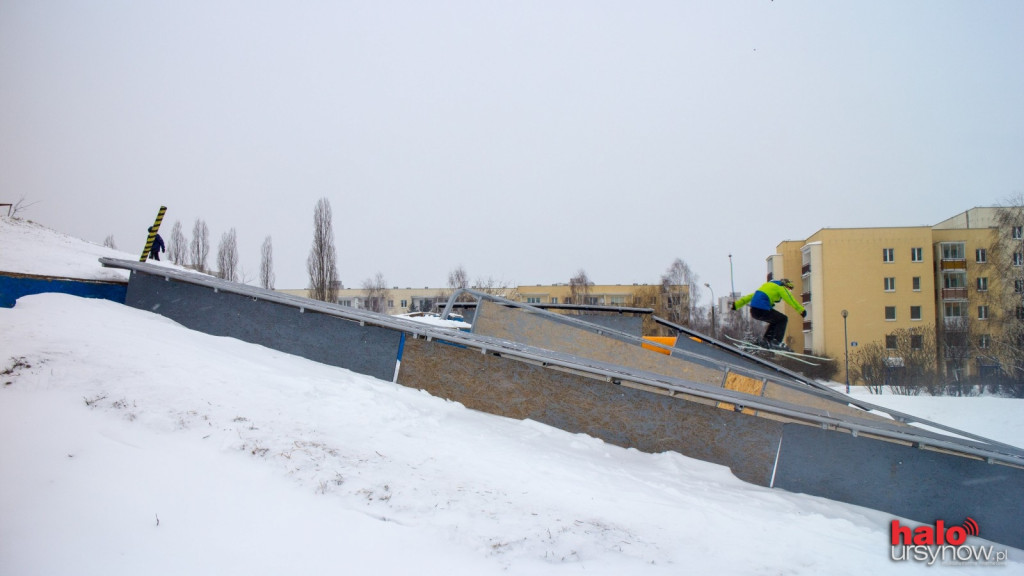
523 140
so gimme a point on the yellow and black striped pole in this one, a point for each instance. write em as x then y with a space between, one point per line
152 234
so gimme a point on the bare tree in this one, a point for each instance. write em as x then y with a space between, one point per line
109 242
322 263
1007 257
199 248
20 206
377 293
905 362
458 279
267 264
679 289
178 248
227 256
579 287
497 287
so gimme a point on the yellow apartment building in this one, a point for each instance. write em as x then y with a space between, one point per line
887 279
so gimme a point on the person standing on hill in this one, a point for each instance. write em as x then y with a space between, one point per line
762 307
158 246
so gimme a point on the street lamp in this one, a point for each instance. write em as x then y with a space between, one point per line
732 283
846 348
708 286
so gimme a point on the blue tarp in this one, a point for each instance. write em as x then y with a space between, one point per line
14 287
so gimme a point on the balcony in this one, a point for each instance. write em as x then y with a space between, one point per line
807 326
954 264
955 323
954 293
805 270
805 297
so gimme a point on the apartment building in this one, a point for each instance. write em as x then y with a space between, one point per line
404 300
863 285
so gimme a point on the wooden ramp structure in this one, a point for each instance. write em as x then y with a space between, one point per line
701 398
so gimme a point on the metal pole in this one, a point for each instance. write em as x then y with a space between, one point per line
713 304
846 348
732 283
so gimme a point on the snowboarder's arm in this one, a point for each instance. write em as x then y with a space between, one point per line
743 301
791 301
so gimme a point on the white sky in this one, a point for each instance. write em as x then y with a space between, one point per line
521 140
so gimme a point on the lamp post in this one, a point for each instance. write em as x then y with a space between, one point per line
708 286
732 283
846 348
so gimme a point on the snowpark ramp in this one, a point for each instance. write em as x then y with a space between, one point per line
521 323
873 459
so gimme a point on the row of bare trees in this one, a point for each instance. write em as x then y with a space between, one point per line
195 253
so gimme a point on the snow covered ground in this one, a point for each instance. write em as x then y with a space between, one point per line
131 445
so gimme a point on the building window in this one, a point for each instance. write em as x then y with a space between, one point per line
391 304
954 310
405 303
554 299
1018 286
888 254
981 256
1018 232
1018 258
890 341
916 341
890 284
345 302
917 255
532 300
890 312
915 312
984 341
982 312
917 283
982 284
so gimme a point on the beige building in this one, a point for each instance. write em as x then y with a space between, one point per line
405 300
399 300
887 279
627 295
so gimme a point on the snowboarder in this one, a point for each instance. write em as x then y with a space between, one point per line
762 307
158 246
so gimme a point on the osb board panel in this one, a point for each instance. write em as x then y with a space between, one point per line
744 384
775 391
532 329
616 414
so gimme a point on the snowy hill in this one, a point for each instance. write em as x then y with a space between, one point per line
130 445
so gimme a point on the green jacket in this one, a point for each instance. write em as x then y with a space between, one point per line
767 296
